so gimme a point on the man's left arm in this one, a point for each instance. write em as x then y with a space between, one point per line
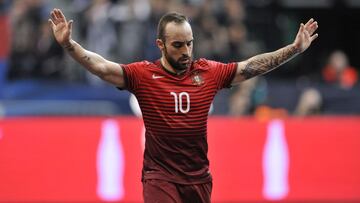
266 62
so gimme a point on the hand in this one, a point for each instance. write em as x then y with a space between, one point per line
306 35
60 27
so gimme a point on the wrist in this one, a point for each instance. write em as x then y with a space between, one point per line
69 46
296 48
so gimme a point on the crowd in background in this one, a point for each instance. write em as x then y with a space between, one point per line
125 31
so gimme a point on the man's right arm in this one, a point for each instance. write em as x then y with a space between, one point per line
96 64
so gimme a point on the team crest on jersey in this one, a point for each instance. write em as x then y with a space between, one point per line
197 79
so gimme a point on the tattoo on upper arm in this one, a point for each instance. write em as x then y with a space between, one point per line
266 62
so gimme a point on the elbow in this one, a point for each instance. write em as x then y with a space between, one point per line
101 73
98 70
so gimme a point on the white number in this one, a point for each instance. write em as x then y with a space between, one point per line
187 102
176 101
178 104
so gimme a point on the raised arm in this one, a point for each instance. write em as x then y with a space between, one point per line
96 64
266 62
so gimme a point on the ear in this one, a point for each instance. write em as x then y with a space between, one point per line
160 44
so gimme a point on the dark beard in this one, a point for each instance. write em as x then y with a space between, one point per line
176 64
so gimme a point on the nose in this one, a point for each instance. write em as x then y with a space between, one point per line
187 51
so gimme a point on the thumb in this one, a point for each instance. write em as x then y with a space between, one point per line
51 24
70 24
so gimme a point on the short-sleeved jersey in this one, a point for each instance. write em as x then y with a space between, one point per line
175 111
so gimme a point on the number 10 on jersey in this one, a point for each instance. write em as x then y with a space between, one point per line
179 99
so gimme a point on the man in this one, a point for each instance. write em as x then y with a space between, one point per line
175 94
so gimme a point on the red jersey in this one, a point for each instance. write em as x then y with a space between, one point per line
175 111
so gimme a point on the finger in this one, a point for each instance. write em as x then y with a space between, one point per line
307 34
313 27
309 22
300 32
58 15
302 27
54 18
51 23
314 37
52 14
61 14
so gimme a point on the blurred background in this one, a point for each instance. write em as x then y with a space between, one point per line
37 76
46 98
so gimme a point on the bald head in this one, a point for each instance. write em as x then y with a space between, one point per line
174 18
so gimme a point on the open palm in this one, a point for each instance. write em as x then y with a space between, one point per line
60 27
305 35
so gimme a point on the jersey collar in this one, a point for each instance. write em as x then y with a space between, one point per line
195 65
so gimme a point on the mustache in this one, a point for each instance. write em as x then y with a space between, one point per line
184 58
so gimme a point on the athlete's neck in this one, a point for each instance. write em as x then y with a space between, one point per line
169 68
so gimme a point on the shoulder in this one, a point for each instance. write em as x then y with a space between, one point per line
137 64
203 63
140 66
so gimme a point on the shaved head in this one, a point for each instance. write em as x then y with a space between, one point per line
174 17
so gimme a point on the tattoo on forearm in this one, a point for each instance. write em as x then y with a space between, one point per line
70 48
266 62
86 58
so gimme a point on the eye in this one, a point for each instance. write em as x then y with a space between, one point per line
189 43
177 44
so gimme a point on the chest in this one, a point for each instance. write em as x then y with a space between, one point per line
189 94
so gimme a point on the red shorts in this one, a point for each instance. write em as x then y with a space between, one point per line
155 191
